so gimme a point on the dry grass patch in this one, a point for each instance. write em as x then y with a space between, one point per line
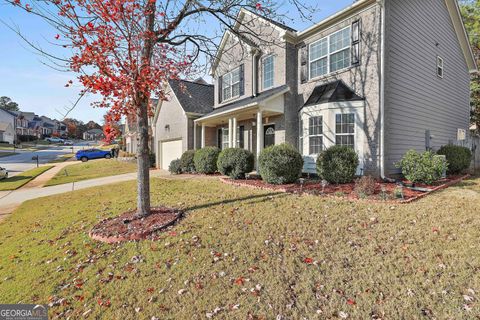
243 254
19 180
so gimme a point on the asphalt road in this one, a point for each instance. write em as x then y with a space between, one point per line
22 161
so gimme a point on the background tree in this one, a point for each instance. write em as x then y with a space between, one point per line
126 50
471 16
7 104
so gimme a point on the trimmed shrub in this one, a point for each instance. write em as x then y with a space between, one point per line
421 167
175 167
205 160
186 161
458 158
365 186
337 164
235 162
280 164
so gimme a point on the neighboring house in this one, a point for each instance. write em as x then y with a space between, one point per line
7 126
173 125
7 133
380 76
93 135
130 132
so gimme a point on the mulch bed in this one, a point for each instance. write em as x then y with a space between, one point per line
384 191
127 227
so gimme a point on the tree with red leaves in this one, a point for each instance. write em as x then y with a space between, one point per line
127 50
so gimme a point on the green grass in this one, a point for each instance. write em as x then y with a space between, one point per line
91 170
6 154
21 179
415 261
62 158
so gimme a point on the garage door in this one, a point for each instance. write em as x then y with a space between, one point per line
171 150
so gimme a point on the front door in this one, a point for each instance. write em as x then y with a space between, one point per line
269 138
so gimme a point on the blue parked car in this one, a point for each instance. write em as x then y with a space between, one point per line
89 154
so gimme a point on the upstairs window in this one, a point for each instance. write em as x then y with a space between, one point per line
440 67
345 129
268 71
231 84
315 135
340 50
319 58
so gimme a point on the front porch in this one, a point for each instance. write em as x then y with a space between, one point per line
252 126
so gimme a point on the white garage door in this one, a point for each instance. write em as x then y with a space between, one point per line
171 150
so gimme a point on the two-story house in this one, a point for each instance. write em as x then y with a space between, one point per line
381 76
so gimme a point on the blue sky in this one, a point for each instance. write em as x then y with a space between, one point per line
39 88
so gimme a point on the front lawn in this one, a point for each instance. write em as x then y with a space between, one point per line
244 254
15 182
91 170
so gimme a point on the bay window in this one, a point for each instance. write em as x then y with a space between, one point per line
315 134
345 129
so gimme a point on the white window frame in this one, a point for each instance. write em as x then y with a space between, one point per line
343 133
440 66
300 141
329 54
225 142
273 71
315 135
230 84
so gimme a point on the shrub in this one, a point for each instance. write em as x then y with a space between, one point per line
458 158
337 164
235 162
205 160
175 167
152 159
186 161
421 167
365 186
280 164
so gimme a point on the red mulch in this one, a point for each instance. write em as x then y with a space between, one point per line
128 227
348 190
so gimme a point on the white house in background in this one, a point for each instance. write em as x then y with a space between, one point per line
7 126
93 135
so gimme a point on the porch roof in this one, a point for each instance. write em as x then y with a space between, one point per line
246 102
336 91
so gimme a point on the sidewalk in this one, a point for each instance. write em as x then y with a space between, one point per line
10 200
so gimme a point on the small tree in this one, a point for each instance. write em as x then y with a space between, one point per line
127 50
7 104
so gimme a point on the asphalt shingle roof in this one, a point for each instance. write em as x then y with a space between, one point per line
194 97
249 100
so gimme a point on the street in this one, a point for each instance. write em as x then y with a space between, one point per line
22 161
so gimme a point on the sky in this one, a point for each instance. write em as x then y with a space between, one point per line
38 88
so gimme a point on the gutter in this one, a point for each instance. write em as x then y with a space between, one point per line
382 90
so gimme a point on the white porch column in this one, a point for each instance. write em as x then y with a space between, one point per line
203 135
194 135
230 139
234 133
259 133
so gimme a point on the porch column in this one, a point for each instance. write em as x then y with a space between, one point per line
194 135
234 133
203 135
259 133
230 125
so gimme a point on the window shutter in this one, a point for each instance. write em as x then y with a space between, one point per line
242 80
220 90
356 42
304 63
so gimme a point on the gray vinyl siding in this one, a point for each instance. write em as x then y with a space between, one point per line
416 99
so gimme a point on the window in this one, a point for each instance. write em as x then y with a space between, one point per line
315 133
267 71
356 42
331 53
440 67
224 138
231 84
345 129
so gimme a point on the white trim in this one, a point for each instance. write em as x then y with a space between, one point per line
230 74
440 66
270 55
329 54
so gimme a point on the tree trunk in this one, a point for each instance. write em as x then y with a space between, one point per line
143 162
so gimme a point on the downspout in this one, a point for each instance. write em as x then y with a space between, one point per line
382 91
